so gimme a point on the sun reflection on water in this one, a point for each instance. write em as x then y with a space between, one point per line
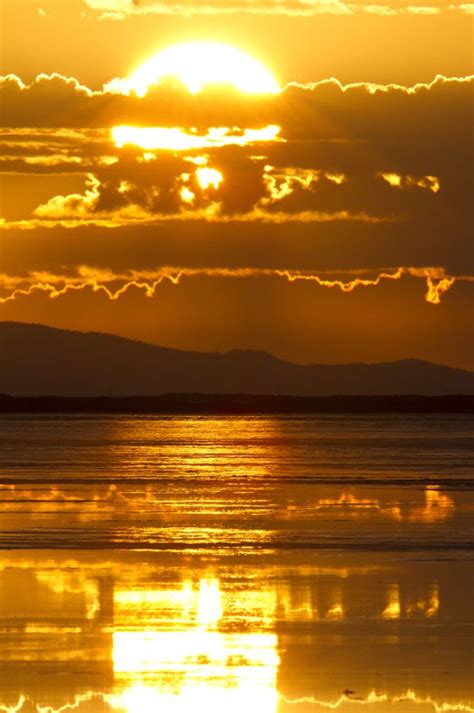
197 668
205 636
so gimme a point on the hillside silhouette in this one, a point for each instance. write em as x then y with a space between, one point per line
37 360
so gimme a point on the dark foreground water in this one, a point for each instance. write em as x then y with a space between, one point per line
270 564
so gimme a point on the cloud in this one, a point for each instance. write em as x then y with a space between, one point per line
136 194
365 175
324 109
100 280
53 151
359 131
123 9
422 10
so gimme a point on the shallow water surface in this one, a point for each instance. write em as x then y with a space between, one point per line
274 564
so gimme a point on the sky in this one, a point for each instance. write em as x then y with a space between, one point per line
293 176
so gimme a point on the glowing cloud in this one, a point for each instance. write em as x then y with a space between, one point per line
122 9
187 196
395 180
209 177
99 280
179 139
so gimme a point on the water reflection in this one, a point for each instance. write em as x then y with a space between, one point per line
184 669
138 634
437 505
291 565
256 517
195 661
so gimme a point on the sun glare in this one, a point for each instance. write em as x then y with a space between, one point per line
200 64
180 139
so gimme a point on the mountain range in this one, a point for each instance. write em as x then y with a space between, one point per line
38 360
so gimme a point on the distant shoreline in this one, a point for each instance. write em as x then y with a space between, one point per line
238 404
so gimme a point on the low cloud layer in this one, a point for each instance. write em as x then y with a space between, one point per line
321 110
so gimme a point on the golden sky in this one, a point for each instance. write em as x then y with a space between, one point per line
290 176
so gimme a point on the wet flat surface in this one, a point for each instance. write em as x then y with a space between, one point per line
300 563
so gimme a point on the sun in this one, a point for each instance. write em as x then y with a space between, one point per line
200 64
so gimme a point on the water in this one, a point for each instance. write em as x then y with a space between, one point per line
269 564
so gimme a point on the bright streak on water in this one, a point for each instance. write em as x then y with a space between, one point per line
288 564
